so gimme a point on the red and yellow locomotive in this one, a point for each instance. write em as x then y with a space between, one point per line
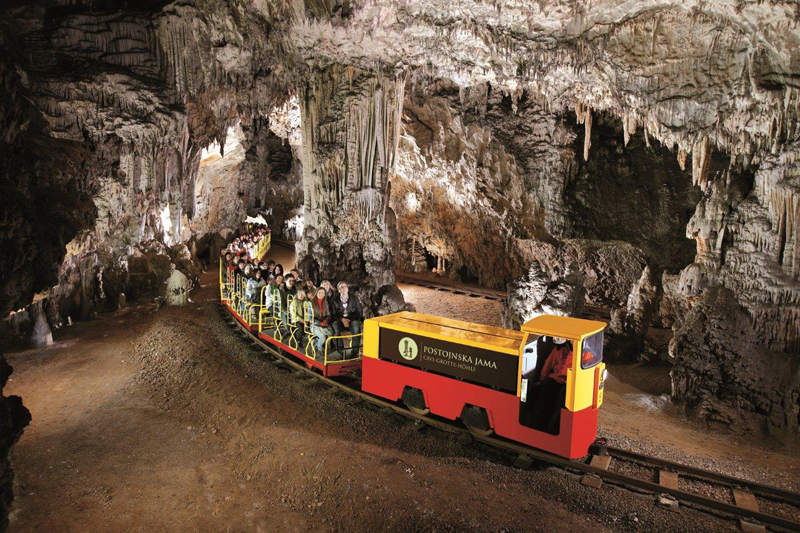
486 376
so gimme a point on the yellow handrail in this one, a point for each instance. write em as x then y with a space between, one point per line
352 336
250 306
221 284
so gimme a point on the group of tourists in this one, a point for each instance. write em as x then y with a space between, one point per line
297 305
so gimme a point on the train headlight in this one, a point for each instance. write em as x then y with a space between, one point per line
604 375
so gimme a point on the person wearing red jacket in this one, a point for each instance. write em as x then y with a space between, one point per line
559 361
550 391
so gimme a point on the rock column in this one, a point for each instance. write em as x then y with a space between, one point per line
350 131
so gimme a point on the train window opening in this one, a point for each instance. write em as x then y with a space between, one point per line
530 357
541 396
592 351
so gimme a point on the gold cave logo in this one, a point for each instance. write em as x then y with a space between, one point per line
408 348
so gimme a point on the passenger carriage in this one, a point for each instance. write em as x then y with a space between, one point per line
286 329
482 374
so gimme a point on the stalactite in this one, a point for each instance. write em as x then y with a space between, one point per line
682 158
587 140
626 136
700 163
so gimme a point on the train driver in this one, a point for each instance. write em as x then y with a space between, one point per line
549 392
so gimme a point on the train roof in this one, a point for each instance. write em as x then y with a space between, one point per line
456 330
563 326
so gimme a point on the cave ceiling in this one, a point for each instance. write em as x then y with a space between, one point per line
121 92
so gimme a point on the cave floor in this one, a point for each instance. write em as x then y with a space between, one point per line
166 420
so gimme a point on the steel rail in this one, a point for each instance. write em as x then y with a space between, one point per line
566 464
756 488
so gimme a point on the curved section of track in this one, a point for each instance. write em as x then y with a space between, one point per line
598 469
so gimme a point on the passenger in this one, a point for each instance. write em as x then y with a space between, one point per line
346 314
296 273
271 267
268 295
309 286
275 283
296 317
239 270
329 292
286 289
253 289
322 317
549 392
278 270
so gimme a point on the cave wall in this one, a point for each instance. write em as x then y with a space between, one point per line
123 100
499 188
465 183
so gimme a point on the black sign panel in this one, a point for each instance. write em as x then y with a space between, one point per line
495 369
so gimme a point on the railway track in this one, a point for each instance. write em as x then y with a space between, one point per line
667 479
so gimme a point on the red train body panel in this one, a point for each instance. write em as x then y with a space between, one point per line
332 369
446 397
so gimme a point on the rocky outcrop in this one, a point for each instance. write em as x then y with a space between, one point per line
727 374
13 419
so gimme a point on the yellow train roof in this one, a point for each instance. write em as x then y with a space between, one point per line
488 336
563 326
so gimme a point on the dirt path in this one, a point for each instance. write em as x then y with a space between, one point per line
168 421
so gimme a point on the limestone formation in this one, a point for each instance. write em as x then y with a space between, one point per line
727 374
351 127
177 292
42 335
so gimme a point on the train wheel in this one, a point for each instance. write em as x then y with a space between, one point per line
480 432
418 411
